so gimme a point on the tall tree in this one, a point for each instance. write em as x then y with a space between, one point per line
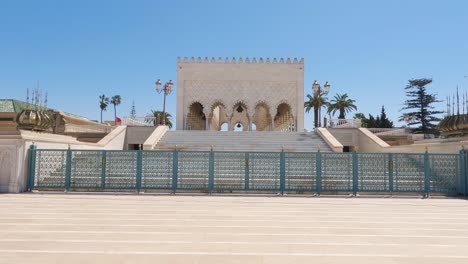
383 121
364 120
316 102
341 103
133 110
158 116
372 122
420 106
116 100
103 103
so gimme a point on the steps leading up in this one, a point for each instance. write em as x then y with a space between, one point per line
264 141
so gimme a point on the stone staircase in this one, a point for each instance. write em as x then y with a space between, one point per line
265 141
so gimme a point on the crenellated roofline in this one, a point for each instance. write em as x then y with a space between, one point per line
240 60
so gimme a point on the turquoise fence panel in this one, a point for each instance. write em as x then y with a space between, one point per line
193 170
373 172
31 167
301 171
257 171
157 170
337 172
229 171
408 172
463 172
264 171
86 169
50 169
444 174
121 169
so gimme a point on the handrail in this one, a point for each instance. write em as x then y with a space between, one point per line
343 123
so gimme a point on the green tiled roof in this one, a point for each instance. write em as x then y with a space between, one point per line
11 105
16 106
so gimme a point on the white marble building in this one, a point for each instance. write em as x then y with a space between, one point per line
247 94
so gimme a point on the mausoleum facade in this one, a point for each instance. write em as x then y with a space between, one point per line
246 94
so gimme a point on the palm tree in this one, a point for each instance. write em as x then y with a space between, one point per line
116 100
103 103
316 102
341 103
158 118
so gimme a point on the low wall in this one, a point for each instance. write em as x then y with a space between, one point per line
14 153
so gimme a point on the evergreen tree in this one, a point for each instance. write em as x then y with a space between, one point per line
133 110
384 122
420 104
372 122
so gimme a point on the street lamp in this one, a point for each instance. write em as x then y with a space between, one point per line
318 92
167 89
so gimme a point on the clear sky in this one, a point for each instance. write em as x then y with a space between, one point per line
368 49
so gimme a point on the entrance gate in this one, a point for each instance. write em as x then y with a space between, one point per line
217 171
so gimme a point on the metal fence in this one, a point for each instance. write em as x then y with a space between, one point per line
216 171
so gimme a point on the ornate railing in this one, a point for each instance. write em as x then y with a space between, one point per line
218 171
139 121
343 123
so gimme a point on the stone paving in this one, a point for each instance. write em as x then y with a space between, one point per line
108 228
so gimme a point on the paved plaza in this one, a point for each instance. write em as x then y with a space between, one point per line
108 228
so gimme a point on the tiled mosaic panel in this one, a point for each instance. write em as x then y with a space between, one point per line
337 172
157 169
193 170
229 170
50 168
408 172
373 172
444 173
264 171
86 169
121 169
301 172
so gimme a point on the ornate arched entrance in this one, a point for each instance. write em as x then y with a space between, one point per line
284 120
196 119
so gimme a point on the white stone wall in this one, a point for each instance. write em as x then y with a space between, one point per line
249 81
14 153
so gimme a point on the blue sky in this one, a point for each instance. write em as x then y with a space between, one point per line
368 49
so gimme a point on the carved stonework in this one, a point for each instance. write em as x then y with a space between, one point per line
267 83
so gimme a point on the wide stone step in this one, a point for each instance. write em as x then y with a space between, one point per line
243 141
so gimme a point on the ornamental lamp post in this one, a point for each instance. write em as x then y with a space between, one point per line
318 92
167 89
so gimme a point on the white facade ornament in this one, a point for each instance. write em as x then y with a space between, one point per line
247 82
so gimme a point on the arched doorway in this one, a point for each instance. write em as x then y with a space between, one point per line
195 119
218 116
284 120
238 127
240 116
262 118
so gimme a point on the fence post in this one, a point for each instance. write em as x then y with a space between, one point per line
175 167
282 171
211 171
32 167
355 172
318 171
139 169
390 172
247 176
427 174
462 171
103 169
68 169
